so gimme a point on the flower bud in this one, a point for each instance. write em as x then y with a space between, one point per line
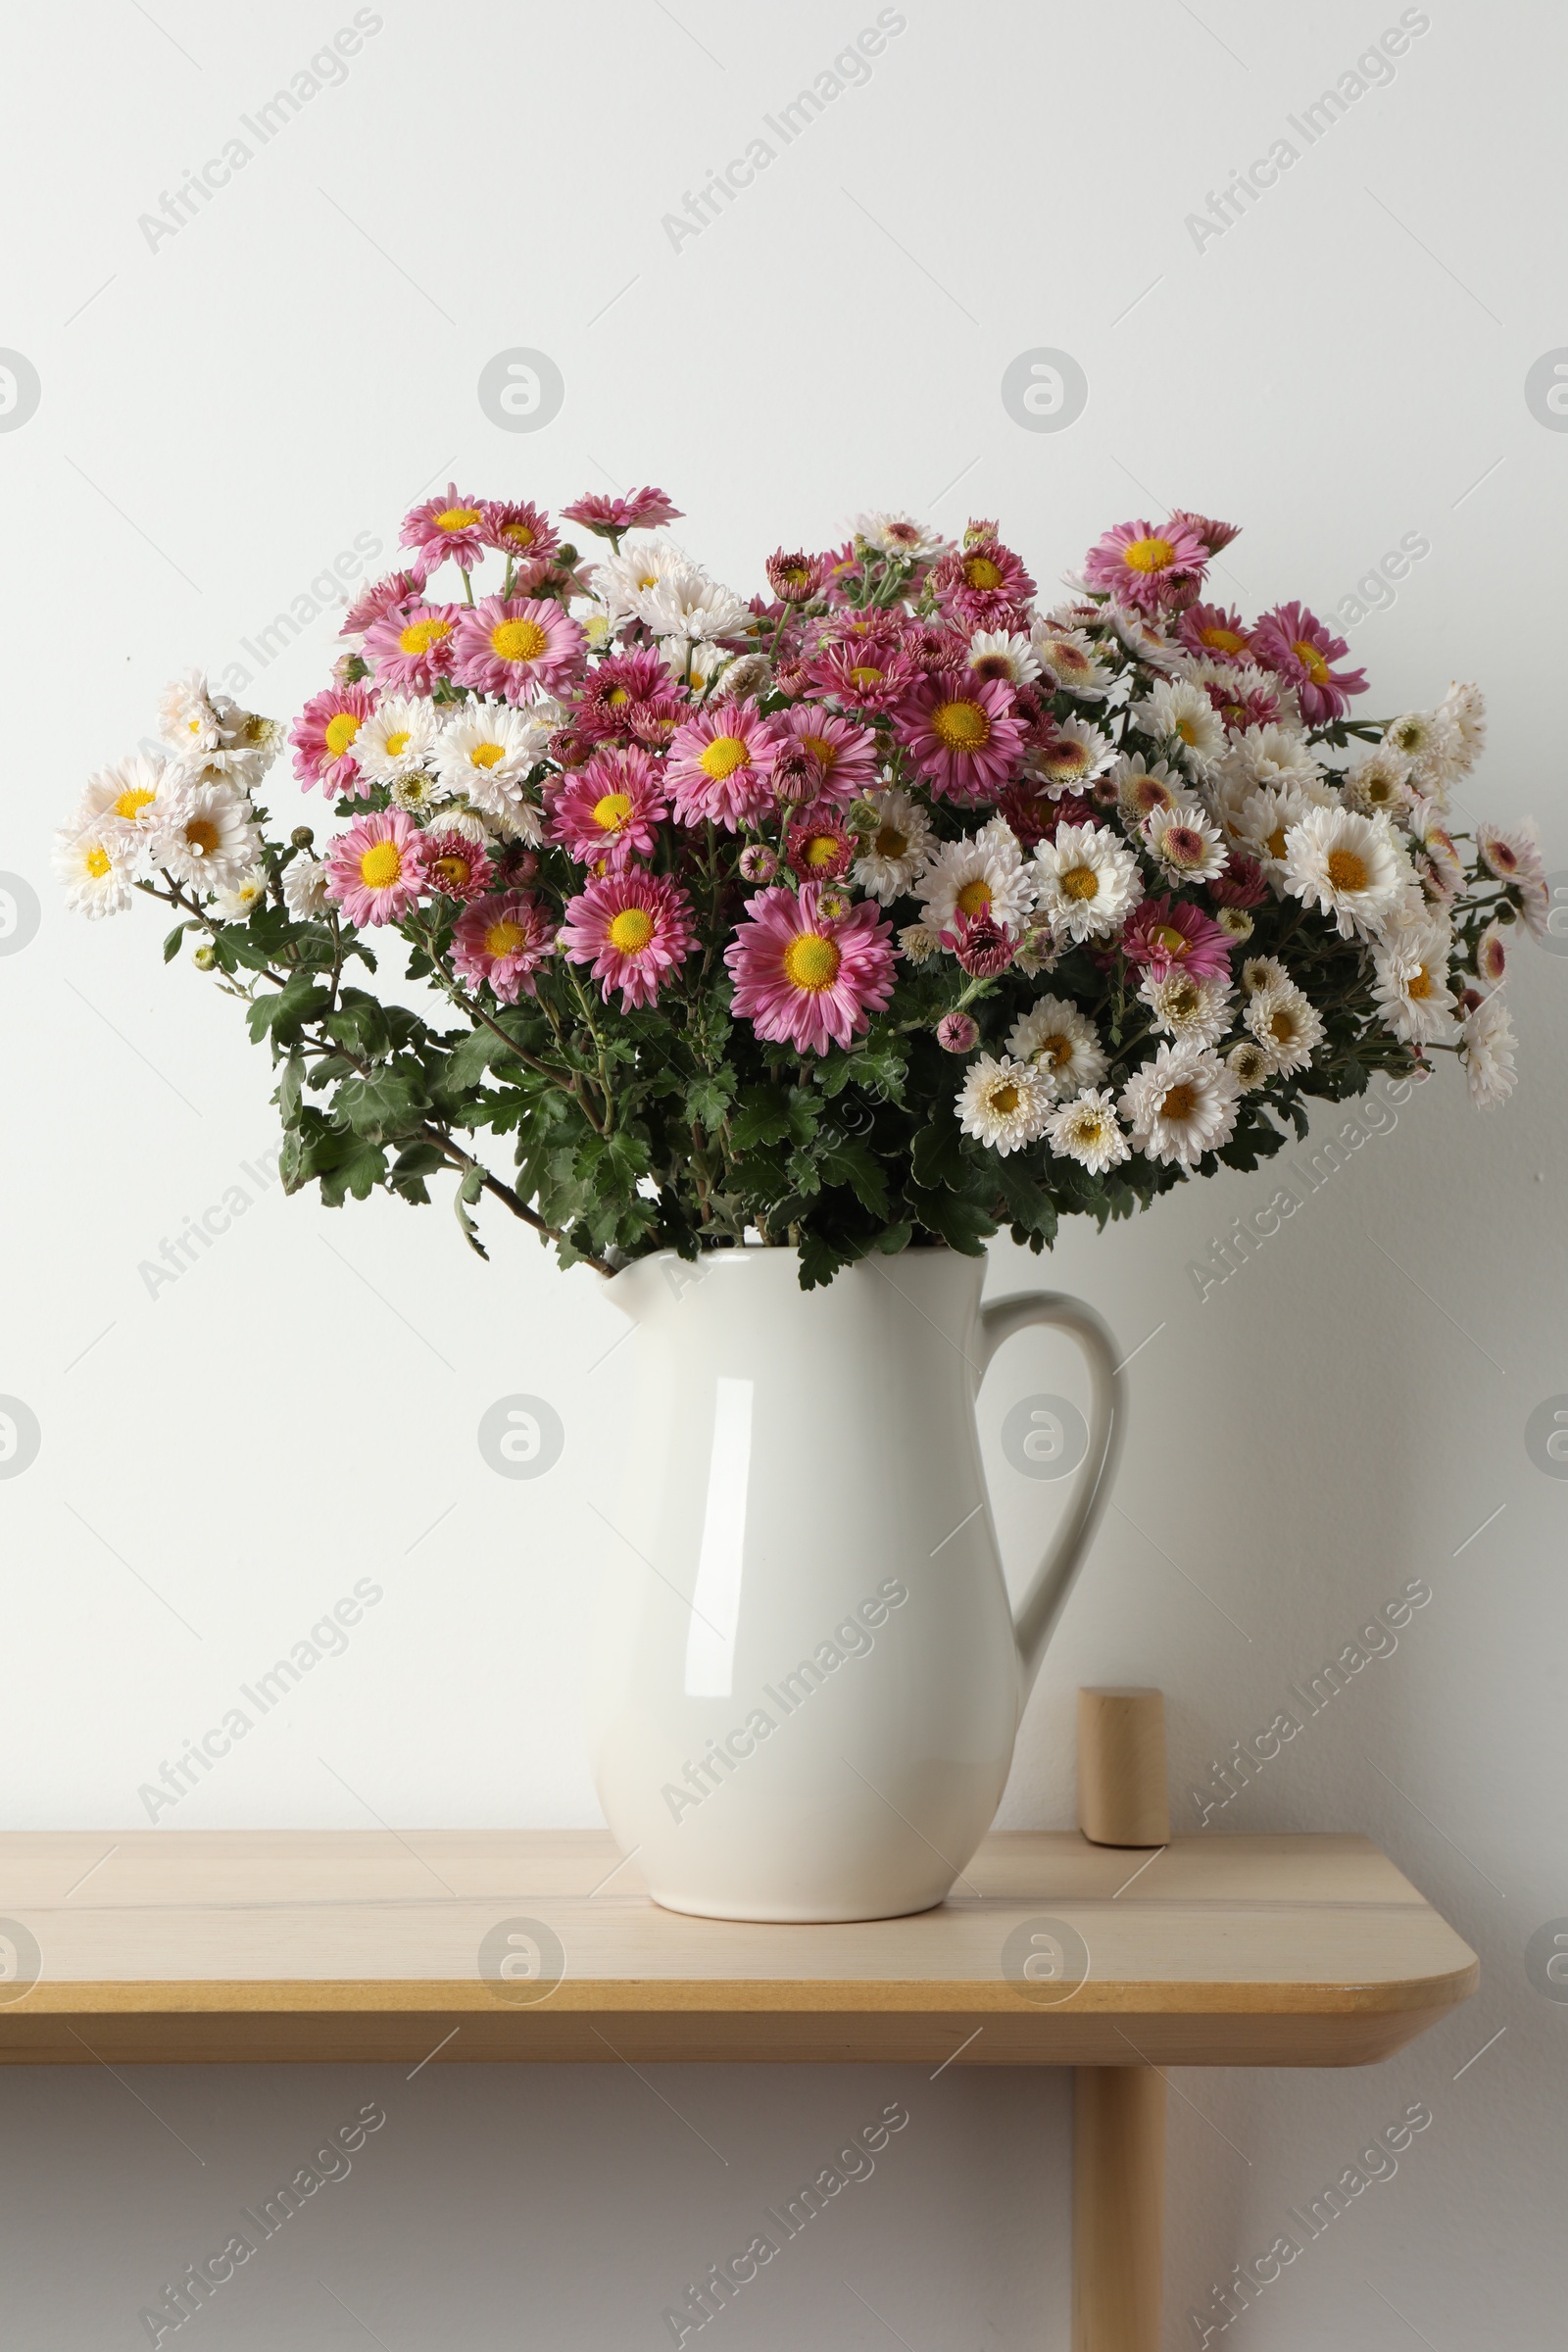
958 1033
204 958
302 837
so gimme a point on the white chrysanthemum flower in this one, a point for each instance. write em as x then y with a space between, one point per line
1141 789
1265 819
1443 867
745 676
205 835
488 751
1235 922
458 818
984 874
1378 783
1235 684
1181 1104
1286 1023
1487 1047
1492 950
688 604
596 622
1075 755
1142 638
1248 1064
697 659
995 654
1412 988
397 740
187 716
305 887
1264 971
1088 881
1038 952
122 801
637 568
96 871
1194 1011
1069 660
917 943
896 850
249 892
899 534
1186 842
1434 745
1351 867
419 794
1088 1130
1260 756
1062 1043
1466 708
1002 1103
1175 710
249 743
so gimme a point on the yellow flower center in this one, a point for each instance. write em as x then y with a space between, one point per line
1149 554
1311 660
1058 1051
420 635
1066 758
380 865
825 752
974 898
519 639
1087 1129
1003 1098
1187 729
891 843
97 862
960 726
1177 1102
723 757
487 755
133 800
981 573
1347 871
455 871
1224 640
516 534
397 743
457 518
1284 1028
1183 1000
610 812
202 835
811 962
504 938
631 930
1420 986
866 673
617 695
341 729
821 849
1276 841
1080 882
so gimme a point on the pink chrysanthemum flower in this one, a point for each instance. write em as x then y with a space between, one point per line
721 766
844 755
504 940
1214 536
1212 631
375 870
1247 703
518 528
795 577
806 978
981 584
515 646
872 676
458 867
819 847
980 944
1165 934
323 736
644 510
1242 884
613 687
962 735
1141 563
446 526
634 928
607 813
378 597
1296 646
412 647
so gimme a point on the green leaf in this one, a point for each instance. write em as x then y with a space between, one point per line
764 1117
707 1099
384 1099
291 1088
848 1162
937 1158
172 942
963 1224
358 1172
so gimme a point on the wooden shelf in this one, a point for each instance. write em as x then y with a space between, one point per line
319 1945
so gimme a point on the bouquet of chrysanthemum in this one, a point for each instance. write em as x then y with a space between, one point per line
880 908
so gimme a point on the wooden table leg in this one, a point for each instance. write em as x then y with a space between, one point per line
1118 2202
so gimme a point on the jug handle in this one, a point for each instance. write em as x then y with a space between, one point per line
1035 1618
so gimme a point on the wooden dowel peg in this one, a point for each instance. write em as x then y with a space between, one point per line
1118 2208
1123 1793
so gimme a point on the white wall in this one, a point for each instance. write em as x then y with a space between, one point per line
220 416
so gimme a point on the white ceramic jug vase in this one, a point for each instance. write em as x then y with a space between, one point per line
808 1678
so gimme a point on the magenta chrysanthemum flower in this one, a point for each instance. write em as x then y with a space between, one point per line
503 941
375 870
515 646
446 526
378 597
806 979
518 528
720 764
635 929
1296 646
981 584
979 944
412 647
962 734
1242 884
1214 536
1165 933
458 867
1211 631
845 755
607 813
869 676
323 736
1141 563
819 847
644 510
